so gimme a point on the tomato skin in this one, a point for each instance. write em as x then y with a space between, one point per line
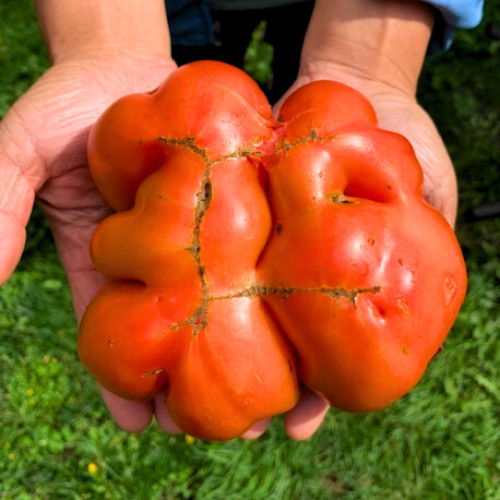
249 255
363 352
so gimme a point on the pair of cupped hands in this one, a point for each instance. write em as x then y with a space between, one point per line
43 141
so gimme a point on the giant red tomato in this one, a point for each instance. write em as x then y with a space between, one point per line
250 255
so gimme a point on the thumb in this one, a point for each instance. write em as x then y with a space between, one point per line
21 170
16 202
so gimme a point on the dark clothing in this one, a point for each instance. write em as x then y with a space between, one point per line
227 34
221 30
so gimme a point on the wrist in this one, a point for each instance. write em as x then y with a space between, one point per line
368 40
74 29
99 50
110 57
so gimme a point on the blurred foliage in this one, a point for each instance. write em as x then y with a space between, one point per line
23 59
440 442
259 57
460 91
22 53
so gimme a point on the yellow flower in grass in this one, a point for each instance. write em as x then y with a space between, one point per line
92 468
190 439
11 456
30 391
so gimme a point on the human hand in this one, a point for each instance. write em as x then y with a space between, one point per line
100 52
43 145
43 141
398 111
376 47
42 149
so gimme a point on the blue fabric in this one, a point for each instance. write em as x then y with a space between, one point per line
191 24
460 13
453 14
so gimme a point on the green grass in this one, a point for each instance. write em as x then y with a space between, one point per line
442 441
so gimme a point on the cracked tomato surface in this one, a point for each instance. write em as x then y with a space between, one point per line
249 255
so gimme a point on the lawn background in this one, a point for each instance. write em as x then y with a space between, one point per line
440 442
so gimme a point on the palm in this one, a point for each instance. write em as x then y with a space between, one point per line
54 119
399 112
57 114
43 148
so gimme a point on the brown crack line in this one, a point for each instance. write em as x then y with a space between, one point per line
286 291
152 372
199 318
313 136
339 198
204 197
189 143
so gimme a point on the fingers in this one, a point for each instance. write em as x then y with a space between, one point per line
170 427
256 430
305 418
163 417
131 416
11 244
